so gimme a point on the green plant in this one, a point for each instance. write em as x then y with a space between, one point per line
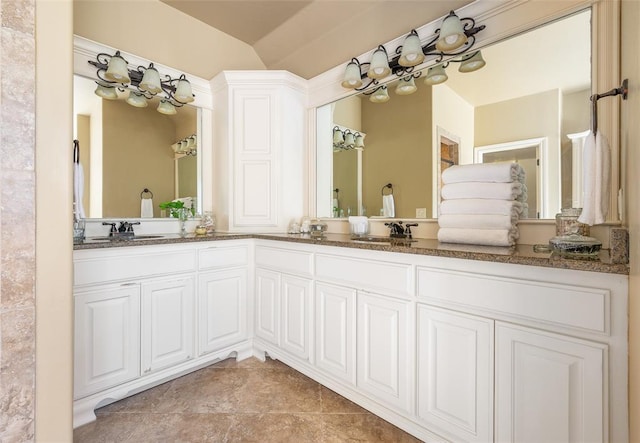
173 207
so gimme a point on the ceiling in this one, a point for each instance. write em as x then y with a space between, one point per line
308 37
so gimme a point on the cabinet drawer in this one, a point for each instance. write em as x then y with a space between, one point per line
217 257
561 304
296 262
386 277
135 265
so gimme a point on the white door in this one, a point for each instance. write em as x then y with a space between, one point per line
295 325
167 323
267 305
455 374
384 357
222 298
107 338
549 388
335 324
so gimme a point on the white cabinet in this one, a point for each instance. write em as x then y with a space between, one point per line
455 374
222 298
259 145
335 331
167 323
267 305
295 300
549 387
107 338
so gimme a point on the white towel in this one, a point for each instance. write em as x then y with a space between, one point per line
477 221
499 191
489 237
146 208
480 206
484 172
596 160
388 206
78 188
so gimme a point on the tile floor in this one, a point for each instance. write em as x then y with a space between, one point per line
247 401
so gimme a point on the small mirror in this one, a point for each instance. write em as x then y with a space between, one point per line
129 153
528 104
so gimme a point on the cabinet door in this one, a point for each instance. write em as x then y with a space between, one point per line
167 323
107 338
222 309
335 323
455 374
548 387
295 297
384 357
267 305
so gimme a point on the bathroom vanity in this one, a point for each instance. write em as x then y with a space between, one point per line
448 344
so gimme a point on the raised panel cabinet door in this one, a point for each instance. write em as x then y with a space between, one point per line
383 341
107 338
267 305
222 309
167 323
295 299
455 374
549 388
335 329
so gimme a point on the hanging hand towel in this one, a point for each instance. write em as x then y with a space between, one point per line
477 221
481 206
78 188
146 208
489 237
388 206
484 172
499 191
595 180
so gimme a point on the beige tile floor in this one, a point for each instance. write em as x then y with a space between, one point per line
247 401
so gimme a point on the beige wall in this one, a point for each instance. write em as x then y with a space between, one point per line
576 117
84 139
630 139
345 179
396 153
136 155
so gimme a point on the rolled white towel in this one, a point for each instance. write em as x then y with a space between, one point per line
499 191
480 206
477 221
484 172
489 237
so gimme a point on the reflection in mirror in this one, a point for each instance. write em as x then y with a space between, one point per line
124 150
535 85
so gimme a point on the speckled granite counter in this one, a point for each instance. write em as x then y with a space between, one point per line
521 254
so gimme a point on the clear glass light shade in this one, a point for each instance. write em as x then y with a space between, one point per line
411 54
379 67
380 96
436 75
472 62
166 108
452 34
176 147
117 69
137 100
349 139
359 143
406 86
338 137
151 80
352 77
183 91
108 92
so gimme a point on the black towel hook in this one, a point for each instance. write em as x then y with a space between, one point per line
388 185
146 191
622 90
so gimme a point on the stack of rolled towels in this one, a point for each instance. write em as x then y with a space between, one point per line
482 203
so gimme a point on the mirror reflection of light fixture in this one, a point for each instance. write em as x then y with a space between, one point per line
344 140
186 146
142 83
359 142
455 38
406 86
471 62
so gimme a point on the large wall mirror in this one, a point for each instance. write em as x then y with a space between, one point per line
529 104
126 150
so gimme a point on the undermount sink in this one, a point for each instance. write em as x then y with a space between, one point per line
383 240
127 238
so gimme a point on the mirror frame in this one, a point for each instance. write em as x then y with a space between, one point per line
503 21
85 50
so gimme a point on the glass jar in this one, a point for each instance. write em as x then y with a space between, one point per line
567 223
208 221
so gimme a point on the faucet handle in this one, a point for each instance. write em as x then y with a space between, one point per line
130 227
408 227
113 229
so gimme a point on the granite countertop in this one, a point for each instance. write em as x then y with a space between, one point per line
520 254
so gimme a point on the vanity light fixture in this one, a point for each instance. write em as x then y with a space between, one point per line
186 146
455 38
142 83
346 140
